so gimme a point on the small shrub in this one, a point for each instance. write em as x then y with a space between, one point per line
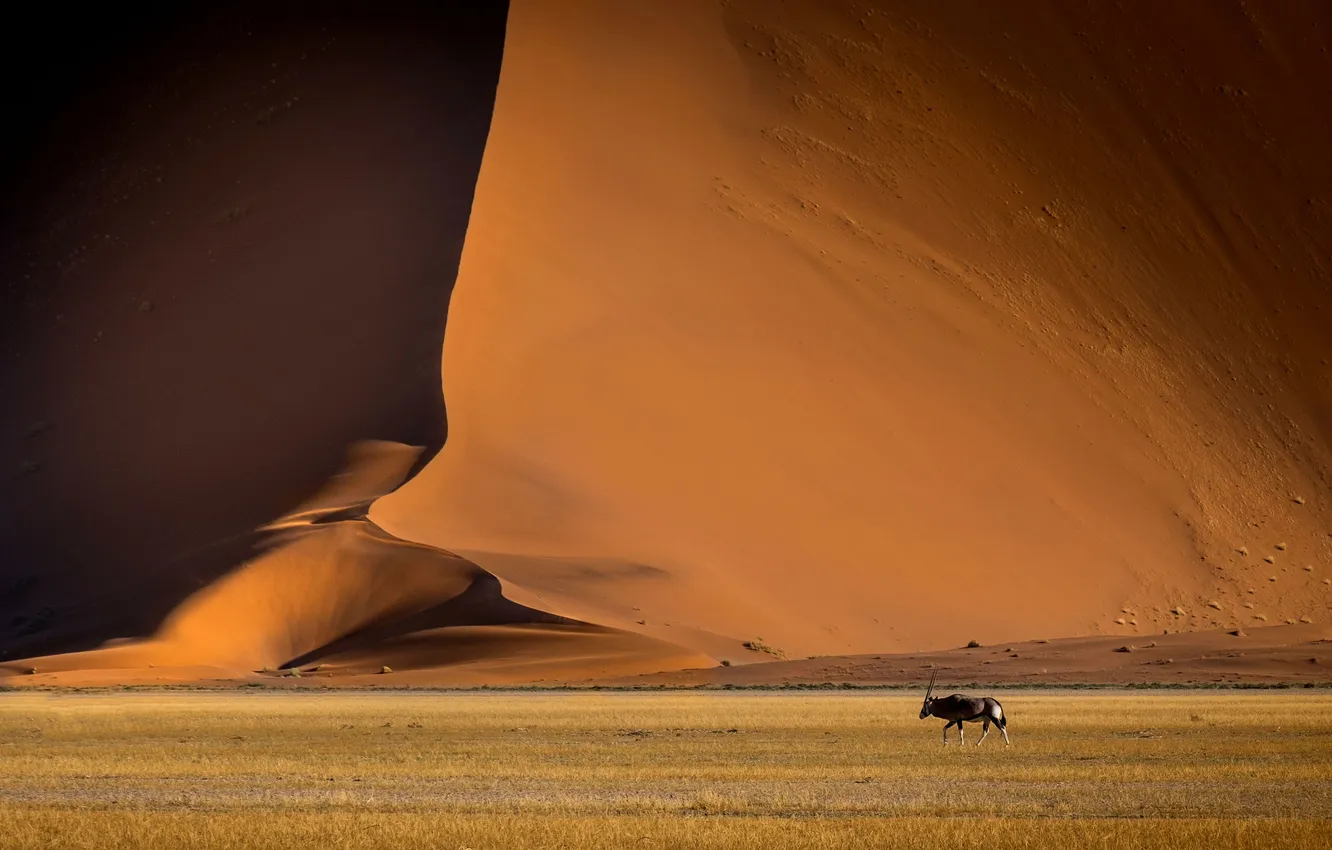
757 645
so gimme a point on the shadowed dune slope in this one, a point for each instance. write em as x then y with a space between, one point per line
229 239
859 326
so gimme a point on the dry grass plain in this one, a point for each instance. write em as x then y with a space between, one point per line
674 769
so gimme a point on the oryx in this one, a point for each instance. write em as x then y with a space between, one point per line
958 709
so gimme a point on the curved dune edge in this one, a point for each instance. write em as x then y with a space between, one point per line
228 256
347 600
882 327
337 596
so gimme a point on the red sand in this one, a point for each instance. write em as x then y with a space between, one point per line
857 330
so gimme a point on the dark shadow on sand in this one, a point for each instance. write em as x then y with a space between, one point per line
230 235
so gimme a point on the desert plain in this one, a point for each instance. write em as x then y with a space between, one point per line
192 769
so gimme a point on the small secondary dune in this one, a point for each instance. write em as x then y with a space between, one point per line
336 592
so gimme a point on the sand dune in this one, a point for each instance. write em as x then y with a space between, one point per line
347 600
227 259
832 328
526 653
881 326
336 592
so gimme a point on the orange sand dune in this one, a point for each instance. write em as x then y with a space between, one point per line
347 600
335 591
831 327
865 327
228 261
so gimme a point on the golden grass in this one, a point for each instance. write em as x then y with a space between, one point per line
771 770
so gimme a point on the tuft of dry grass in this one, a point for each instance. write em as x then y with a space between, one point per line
600 770
134 830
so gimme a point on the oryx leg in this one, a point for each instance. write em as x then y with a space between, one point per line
985 730
1003 730
961 736
946 725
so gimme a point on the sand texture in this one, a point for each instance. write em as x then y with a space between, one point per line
884 329
830 328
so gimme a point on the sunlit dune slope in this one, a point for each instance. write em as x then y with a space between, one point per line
858 326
